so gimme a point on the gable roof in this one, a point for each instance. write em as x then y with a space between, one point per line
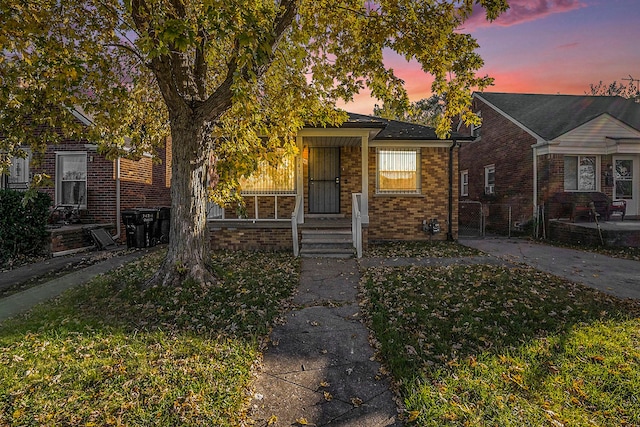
550 116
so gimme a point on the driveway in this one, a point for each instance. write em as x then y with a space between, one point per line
619 277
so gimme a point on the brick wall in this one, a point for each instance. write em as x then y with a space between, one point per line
258 238
143 183
399 217
508 147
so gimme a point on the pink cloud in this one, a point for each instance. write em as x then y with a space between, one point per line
521 11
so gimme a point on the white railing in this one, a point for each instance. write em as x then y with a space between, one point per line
294 225
356 222
217 213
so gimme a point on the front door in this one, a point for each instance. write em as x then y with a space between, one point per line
626 177
324 180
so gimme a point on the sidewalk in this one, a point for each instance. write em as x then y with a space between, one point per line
23 301
319 365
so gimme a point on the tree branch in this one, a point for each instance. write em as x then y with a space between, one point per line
219 101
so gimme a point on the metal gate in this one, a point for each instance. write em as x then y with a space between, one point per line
470 219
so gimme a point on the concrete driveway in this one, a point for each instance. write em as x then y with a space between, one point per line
614 276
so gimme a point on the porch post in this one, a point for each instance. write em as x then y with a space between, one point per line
364 209
300 179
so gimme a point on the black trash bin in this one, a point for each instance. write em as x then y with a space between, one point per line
163 225
134 227
149 218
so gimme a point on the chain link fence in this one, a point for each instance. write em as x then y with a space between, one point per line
470 219
477 220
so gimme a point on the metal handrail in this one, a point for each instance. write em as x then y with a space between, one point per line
294 226
356 223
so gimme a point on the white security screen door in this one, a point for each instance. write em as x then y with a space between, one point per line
625 185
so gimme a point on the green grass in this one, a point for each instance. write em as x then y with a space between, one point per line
427 249
496 346
111 353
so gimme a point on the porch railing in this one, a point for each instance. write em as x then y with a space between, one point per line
294 226
356 222
216 213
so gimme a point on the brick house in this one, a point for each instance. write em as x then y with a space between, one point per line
98 188
391 177
531 147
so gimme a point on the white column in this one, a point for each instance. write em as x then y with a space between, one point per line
300 179
365 180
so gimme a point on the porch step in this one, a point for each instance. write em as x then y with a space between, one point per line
327 242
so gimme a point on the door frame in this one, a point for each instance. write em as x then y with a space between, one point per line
336 180
634 203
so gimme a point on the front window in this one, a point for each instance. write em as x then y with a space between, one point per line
398 171
269 179
71 179
489 179
464 183
580 173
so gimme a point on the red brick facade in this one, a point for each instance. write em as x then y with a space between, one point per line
505 145
143 183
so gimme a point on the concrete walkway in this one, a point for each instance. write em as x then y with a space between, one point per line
615 276
23 301
319 365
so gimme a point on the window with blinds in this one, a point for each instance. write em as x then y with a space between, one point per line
398 171
269 179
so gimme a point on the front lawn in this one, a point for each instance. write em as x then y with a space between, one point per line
413 249
111 353
496 346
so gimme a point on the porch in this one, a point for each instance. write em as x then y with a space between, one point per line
604 233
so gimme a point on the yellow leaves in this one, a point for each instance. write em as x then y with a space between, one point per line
302 421
272 420
327 396
412 416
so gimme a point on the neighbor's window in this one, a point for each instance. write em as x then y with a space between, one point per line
579 173
71 179
19 177
398 171
269 179
489 179
464 183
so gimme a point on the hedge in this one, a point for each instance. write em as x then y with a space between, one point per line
23 222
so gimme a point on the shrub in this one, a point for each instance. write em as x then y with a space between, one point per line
23 221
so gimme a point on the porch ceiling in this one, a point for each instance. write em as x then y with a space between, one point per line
332 141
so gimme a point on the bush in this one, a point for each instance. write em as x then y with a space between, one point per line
23 221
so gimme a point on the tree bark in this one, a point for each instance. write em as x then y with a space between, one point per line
188 252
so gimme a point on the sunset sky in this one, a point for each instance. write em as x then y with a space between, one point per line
544 46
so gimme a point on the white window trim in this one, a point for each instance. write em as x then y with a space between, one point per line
58 178
418 189
464 184
597 161
20 185
489 188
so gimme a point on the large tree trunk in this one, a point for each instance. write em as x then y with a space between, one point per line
188 253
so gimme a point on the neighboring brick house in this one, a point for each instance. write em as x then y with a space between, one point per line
401 174
530 147
100 189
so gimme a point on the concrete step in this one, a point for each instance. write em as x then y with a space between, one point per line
330 243
327 253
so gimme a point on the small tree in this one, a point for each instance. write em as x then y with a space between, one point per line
615 89
251 71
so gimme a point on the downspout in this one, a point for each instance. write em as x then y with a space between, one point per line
118 227
450 208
